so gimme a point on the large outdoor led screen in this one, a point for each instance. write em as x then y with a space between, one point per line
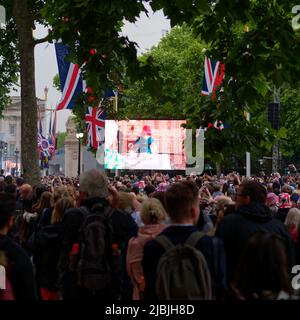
145 144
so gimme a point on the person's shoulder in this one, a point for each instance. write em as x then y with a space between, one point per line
14 252
73 213
151 246
231 217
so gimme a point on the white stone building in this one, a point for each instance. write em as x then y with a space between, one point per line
10 132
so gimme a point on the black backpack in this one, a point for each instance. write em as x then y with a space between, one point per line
95 262
47 242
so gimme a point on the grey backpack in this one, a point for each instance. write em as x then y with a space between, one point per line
182 272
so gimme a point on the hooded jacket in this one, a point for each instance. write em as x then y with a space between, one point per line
236 229
135 254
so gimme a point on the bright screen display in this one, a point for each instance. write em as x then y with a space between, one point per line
145 144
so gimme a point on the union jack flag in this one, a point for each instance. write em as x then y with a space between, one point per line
95 126
44 147
213 76
52 136
71 82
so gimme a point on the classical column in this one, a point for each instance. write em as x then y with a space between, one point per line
71 149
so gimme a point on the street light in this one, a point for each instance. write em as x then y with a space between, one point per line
17 156
79 136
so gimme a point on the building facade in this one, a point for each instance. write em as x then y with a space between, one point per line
10 133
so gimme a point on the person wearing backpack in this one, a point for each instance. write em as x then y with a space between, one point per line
20 283
93 257
178 264
152 214
48 241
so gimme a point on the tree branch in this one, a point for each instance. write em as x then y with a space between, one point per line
39 41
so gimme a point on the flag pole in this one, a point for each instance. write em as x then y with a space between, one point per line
116 94
248 156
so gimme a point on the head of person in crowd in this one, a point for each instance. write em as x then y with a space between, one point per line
162 187
58 193
9 180
10 188
135 189
160 196
292 222
93 184
217 187
43 203
294 199
152 212
61 206
286 189
249 192
26 191
149 188
7 210
182 202
263 269
38 191
125 201
222 203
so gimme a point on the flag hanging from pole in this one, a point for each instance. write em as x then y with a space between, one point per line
71 82
214 72
95 126
51 138
54 133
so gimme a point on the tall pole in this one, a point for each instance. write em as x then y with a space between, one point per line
248 156
17 152
78 171
116 94
276 99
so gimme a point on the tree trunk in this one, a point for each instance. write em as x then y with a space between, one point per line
29 152
218 169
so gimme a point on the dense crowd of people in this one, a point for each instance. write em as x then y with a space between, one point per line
150 238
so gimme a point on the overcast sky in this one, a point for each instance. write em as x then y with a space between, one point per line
146 32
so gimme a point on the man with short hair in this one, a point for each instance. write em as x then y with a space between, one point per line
251 215
182 203
94 189
19 267
217 190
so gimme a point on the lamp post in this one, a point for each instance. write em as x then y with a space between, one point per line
79 136
17 157
1 155
5 157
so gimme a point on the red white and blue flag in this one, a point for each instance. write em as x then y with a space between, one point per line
44 147
95 126
52 136
71 82
214 72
